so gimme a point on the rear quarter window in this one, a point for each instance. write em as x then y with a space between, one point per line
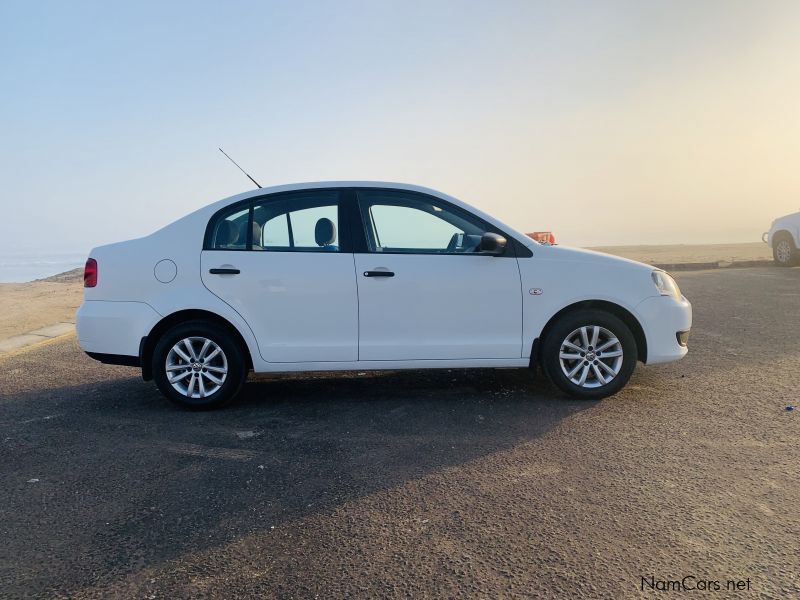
230 230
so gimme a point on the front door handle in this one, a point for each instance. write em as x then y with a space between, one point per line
378 273
224 271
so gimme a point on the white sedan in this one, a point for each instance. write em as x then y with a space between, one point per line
366 275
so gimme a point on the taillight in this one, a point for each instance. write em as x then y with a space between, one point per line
90 273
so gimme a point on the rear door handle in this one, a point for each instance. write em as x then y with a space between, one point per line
224 271
378 273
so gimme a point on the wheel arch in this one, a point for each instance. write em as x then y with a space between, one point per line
149 342
615 309
784 233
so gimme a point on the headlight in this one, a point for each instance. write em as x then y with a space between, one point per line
666 285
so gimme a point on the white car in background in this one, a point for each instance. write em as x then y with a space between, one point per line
784 239
365 275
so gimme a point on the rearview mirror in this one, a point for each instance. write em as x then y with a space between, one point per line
492 243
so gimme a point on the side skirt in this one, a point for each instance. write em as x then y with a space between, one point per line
393 365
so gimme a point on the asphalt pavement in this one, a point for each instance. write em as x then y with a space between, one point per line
484 483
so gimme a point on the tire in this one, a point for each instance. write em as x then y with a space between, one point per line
783 251
618 359
215 378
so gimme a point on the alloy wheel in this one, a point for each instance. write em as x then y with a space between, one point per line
783 251
196 367
591 356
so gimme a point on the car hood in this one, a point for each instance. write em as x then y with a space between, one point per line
579 255
790 218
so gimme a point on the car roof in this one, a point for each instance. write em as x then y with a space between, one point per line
311 185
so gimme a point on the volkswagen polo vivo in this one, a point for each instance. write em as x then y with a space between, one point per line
366 275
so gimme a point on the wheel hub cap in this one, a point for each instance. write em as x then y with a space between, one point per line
196 367
591 356
784 252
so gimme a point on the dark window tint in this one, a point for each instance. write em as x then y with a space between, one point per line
299 222
230 231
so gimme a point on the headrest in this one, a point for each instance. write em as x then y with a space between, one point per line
325 232
256 234
227 234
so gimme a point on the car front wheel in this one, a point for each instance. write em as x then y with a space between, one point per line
199 365
589 354
784 252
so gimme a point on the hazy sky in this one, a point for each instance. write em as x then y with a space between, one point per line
607 122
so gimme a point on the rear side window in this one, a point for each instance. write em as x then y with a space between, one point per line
230 231
304 221
298 223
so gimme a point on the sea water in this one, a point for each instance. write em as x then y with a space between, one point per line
27 267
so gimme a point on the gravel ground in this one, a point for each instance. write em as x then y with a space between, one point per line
416 484
692 253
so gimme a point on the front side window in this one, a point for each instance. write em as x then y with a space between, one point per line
401 222
298 223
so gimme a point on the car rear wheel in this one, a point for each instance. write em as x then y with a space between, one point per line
589 354
784 252
199 365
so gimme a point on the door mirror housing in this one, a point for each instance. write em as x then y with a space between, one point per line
493 244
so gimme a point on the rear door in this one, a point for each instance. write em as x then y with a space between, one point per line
284 264
425 292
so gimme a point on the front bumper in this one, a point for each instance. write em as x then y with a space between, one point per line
114 328
663 318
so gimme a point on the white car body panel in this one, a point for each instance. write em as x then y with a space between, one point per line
789 223
114 327
329 317
301 306
661 317
439 307
591 276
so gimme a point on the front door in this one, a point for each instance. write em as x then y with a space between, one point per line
282 264
425 291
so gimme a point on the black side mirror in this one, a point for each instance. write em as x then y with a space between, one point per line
493 244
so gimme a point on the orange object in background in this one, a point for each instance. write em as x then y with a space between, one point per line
543 237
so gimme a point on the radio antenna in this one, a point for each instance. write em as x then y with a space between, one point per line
240 168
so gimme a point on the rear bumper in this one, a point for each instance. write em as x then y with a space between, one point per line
109 331
666 322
